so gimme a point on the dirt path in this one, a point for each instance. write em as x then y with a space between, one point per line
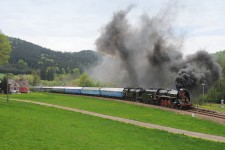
137 123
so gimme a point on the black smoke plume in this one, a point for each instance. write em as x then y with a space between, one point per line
113 42
149 55
196 70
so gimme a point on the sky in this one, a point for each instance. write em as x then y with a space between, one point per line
74 25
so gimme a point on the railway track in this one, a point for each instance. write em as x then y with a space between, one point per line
206 112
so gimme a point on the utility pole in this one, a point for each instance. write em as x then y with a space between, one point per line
203 90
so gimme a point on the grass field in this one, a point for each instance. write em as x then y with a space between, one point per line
216 107
130 111
28 126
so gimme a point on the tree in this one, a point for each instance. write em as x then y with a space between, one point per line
37 79
63 71
5 49
1 85
50 73
43 74
76 72
85 80
22 62
4 84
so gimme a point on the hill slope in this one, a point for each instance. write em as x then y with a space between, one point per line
26 56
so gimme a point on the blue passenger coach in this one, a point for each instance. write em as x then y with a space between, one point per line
73 90
112 92
91 91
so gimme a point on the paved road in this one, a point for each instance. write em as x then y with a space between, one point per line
137 123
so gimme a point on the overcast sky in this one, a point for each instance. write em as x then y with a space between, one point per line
74 25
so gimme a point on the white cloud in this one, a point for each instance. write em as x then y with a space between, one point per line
74 24
208 43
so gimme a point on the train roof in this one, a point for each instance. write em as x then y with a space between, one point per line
46 87
112 89
91 88
151 90
75 88
58 87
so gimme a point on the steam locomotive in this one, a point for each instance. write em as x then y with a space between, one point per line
172 98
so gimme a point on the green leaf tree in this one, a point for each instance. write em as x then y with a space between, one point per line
4 84
76 72
37 79
85 80
5 49
50 73
22 62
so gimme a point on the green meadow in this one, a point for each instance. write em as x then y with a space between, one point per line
28 126
130 111
215 107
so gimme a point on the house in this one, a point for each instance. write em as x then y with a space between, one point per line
24 86
16 86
